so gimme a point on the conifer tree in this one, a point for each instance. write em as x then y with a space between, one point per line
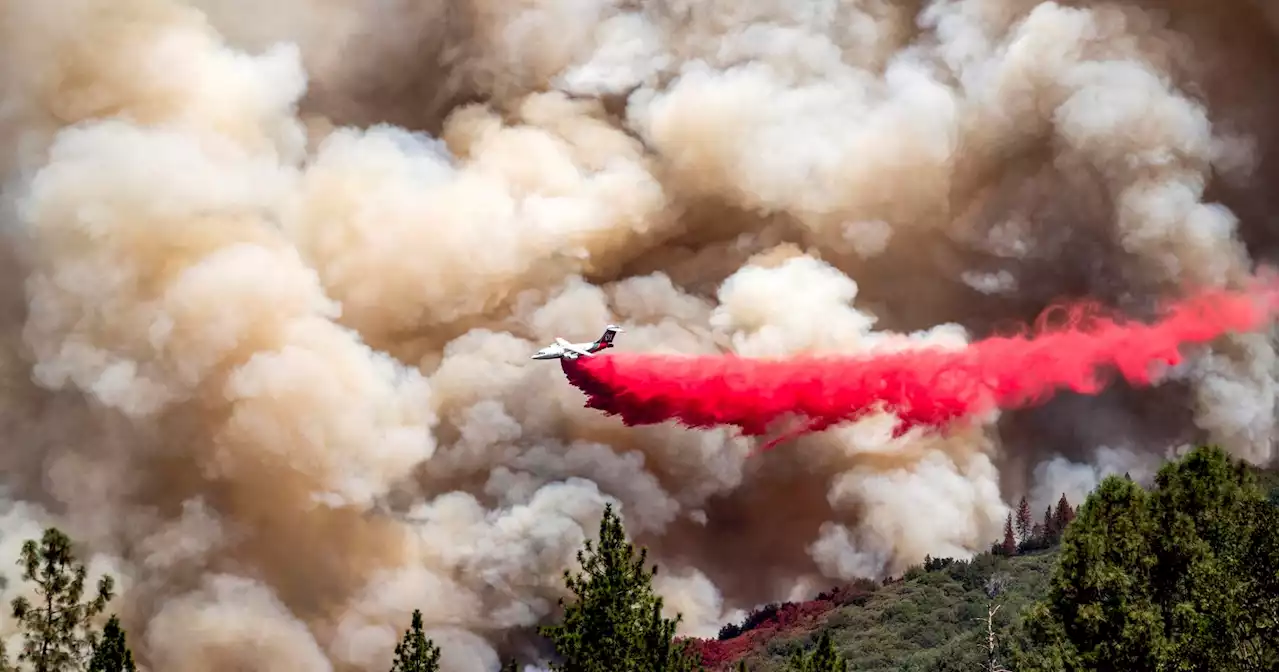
615 624
824 658
1023 520
1050 532
112 653
1010 545
416 653
57 629
1064 514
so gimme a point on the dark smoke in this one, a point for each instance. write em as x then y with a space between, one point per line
273 271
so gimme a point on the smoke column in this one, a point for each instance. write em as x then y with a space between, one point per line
271 274
929 388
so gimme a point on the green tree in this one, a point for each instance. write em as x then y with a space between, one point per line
1099 614
823 658
416 653
1216 564
1182 578
112 652
57 630
1260 629
616 622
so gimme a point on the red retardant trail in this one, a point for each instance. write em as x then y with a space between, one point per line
930 388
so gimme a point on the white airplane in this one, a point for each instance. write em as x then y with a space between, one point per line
563 349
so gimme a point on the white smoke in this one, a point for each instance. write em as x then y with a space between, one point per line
275 271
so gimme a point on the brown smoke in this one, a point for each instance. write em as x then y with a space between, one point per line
274 272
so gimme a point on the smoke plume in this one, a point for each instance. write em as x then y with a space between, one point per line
273 273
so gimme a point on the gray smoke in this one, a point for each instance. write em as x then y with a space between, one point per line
273 272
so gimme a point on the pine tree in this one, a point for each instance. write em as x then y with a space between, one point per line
57 630
1023 520
1064 514
1010 545
112 653
1050 532
616 622
824 658
416 653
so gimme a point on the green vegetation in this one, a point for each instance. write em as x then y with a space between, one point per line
1182 576
616 623
112 653
933 621
58 630
416 653
823 658
1269 482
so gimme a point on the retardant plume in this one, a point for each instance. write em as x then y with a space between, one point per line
271 274
922 387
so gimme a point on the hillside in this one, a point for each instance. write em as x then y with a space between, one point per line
926 621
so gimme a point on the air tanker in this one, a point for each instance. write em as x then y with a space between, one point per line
562 349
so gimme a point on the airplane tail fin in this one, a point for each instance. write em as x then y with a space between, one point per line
606 340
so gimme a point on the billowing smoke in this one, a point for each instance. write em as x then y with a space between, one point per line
274 272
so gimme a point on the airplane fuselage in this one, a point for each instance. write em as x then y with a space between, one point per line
563 349
559 352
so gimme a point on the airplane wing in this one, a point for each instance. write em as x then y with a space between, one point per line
570 347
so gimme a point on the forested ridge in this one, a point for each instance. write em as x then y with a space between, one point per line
1180 575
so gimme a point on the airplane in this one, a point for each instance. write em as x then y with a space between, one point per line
563 349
